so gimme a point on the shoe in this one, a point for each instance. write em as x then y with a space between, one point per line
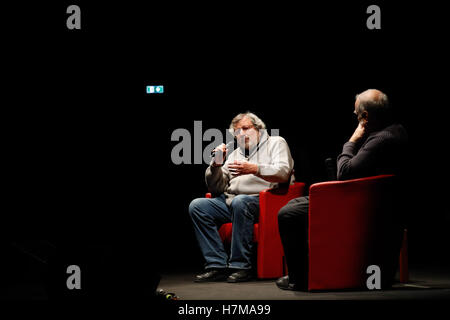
210 275
241 276
283 283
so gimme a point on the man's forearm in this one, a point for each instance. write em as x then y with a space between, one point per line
343 160
215 180
274 173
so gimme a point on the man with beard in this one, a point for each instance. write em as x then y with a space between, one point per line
260 162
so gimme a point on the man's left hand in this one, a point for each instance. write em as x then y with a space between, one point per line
238 168
359 133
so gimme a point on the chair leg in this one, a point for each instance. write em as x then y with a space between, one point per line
403 263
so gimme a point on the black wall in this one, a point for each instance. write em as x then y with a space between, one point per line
89 151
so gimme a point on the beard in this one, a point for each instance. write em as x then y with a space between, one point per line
247 143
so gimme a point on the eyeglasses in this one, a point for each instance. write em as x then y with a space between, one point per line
239 131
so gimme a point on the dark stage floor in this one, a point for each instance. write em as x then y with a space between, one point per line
425 283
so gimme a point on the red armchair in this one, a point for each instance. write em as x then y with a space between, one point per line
270 262
347 231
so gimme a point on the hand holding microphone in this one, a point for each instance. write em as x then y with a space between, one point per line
219 154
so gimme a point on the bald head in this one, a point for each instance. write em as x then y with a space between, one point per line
373 105
371 95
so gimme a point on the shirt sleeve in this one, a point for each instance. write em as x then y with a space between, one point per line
353 163
281 165
217 178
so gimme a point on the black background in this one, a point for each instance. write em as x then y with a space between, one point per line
87 151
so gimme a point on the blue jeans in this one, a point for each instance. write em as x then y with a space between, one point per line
209 214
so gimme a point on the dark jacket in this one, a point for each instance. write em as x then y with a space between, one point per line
383 152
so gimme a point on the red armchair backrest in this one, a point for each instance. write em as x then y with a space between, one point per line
350 227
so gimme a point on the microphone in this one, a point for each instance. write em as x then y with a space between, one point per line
330 165
229 144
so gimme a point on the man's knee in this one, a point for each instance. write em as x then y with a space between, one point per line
293 210
198 206
240 200
244 205
284 214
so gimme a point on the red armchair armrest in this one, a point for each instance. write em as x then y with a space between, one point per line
270 250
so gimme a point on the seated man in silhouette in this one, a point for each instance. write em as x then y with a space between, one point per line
378 146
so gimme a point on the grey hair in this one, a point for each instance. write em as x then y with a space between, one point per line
257 122
380 108
368 105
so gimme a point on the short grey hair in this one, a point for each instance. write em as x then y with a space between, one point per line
380 108
256 121
370 104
